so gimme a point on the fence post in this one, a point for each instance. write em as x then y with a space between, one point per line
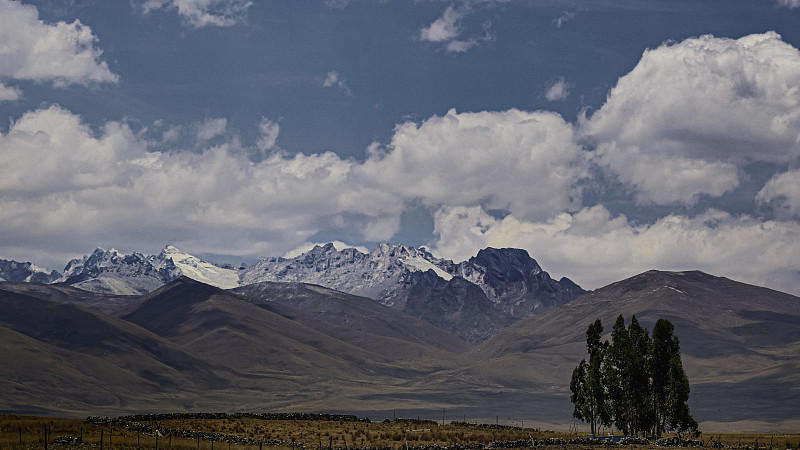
110 436
101 439
20 435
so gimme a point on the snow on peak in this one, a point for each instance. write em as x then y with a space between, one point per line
202 271
417 263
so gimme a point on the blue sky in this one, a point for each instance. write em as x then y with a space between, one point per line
605 137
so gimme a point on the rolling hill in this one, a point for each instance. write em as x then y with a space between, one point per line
273 346
59 357
740 346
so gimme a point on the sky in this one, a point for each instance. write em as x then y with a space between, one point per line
605 137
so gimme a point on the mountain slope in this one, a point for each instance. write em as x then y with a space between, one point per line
359 321
226 328
60 357
740 343
113 305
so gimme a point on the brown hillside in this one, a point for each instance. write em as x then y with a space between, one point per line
740 343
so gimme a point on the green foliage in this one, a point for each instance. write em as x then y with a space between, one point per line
580 396
636 382
664 345
588 382
676 407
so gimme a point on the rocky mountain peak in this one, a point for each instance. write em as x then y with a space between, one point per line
501 261
516 283
473 299
25 272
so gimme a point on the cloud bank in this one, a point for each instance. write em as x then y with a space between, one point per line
683 124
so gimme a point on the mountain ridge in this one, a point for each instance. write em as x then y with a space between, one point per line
467 298
474 299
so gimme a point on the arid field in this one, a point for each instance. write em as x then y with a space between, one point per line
249 432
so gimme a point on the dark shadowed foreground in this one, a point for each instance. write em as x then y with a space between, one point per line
318 431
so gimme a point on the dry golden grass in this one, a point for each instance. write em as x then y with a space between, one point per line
27 432
315 434
312 434
753 440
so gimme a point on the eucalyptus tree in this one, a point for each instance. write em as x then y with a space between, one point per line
637 383
588 384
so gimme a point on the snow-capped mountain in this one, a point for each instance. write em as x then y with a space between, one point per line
224 277
112 272
377 274
25 272
474 299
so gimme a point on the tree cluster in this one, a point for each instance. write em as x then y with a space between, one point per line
635 383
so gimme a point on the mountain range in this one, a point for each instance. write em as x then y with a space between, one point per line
292 346
474 299
296 346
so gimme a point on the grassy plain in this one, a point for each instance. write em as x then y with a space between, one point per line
27 432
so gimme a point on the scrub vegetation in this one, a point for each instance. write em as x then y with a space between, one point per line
27 432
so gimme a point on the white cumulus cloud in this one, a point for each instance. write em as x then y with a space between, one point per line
524 162
62 53
685 120
65 186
